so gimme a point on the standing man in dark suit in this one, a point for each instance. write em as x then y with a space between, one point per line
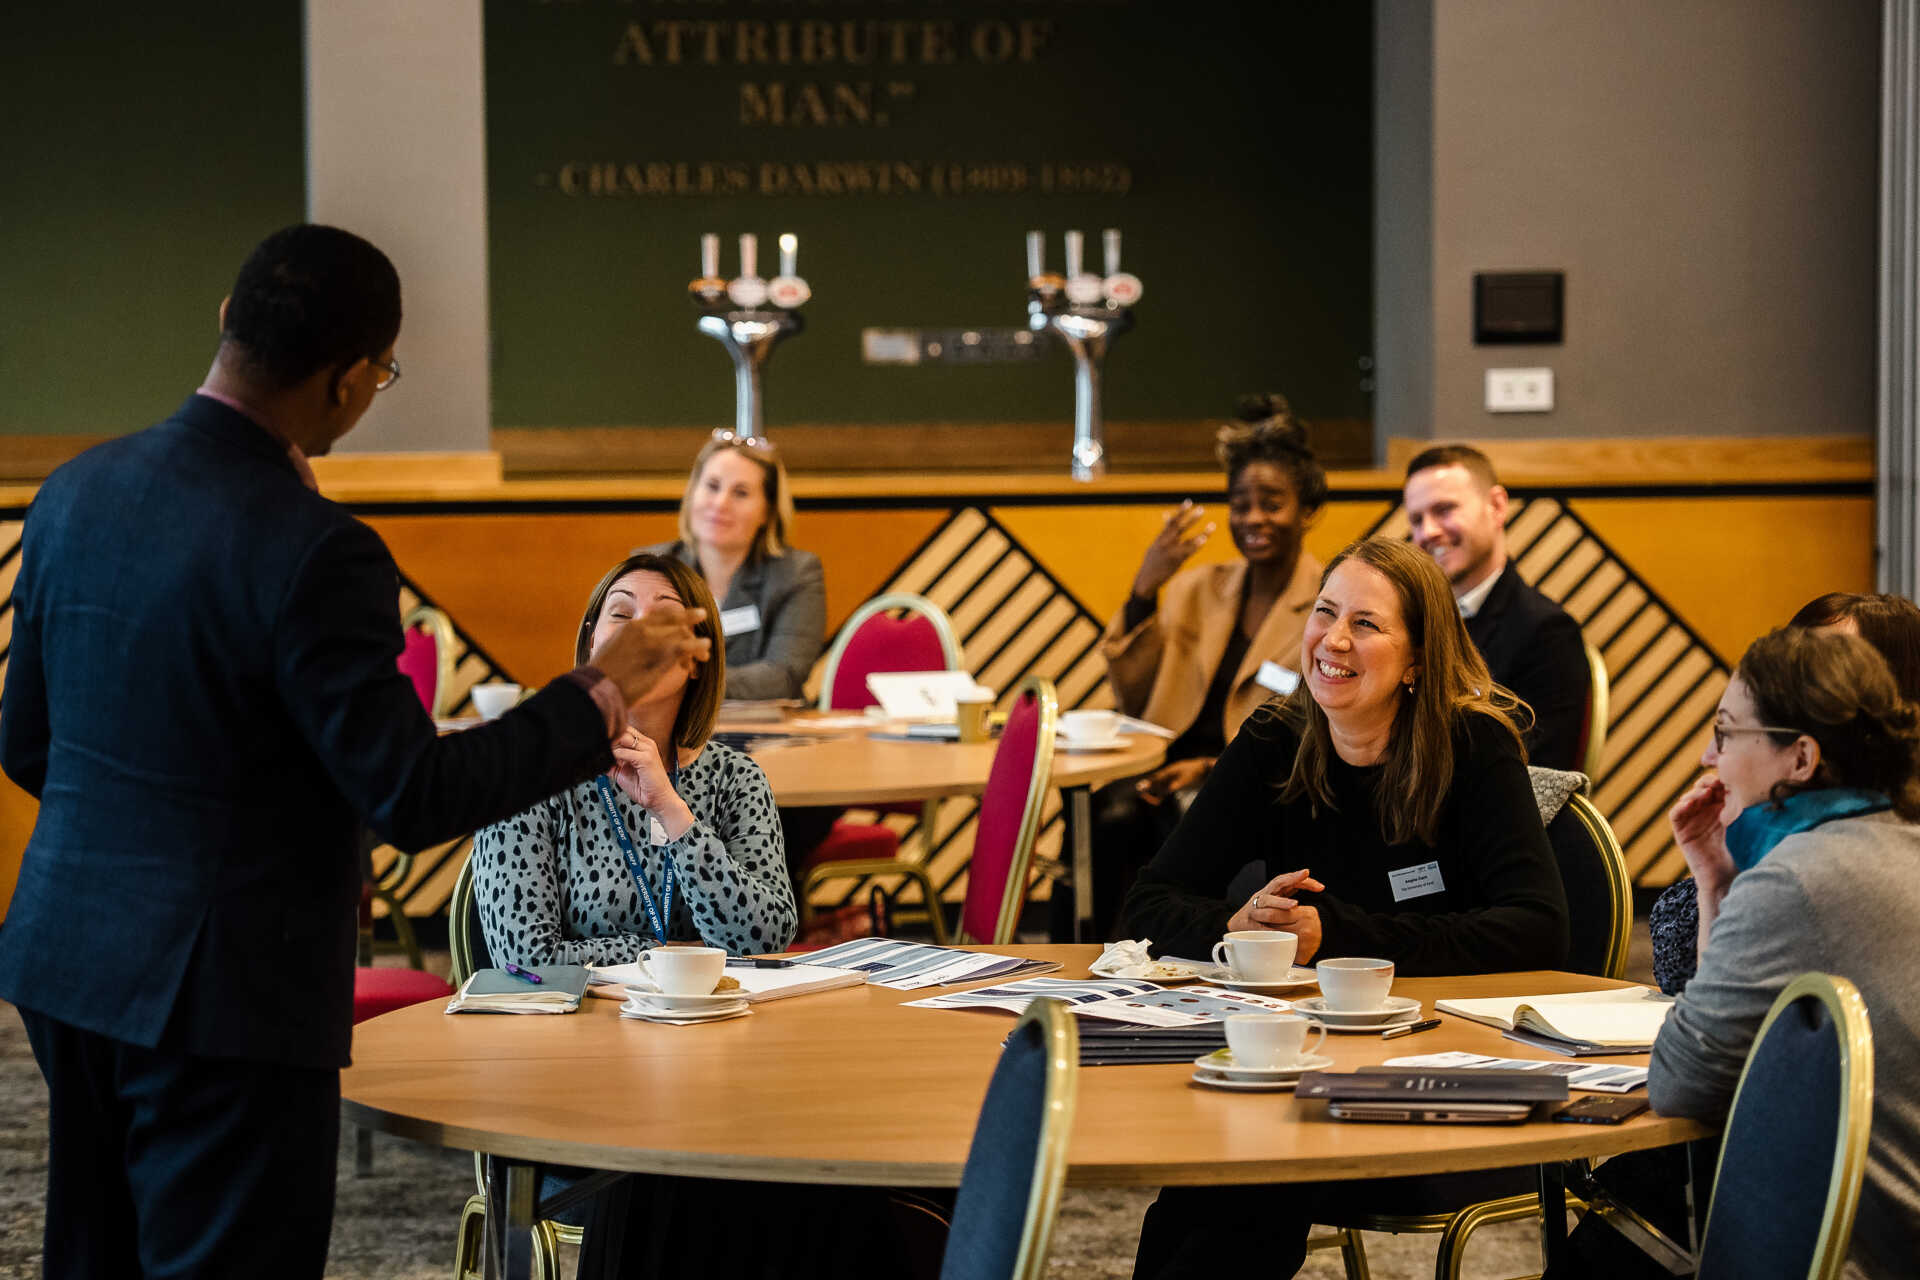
1458 511
201 692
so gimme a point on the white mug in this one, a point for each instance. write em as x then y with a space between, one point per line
684 971
1355 985
1271 1039
1257 955
1089 726
495 698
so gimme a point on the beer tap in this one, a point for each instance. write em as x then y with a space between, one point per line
1088 312
749 316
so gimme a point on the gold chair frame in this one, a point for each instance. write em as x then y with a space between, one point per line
1014 895
469 1245
914 870
1458 1227
1062 1040
1848 1012
1598 709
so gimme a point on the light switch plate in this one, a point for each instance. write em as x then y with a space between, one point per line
1519 390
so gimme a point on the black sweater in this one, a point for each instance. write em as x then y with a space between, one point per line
1499 907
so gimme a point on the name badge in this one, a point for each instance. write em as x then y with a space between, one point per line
656 832
1277 678
735 622
1416 882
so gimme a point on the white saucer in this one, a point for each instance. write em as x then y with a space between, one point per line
1214 1080
1398 1009
1063 743
1297 977
692 1004
675 1019
1220 1062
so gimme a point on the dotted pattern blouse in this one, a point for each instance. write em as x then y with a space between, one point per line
553 887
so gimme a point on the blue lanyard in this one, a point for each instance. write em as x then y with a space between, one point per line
655 915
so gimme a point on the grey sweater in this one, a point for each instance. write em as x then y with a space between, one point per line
1843 899
772 657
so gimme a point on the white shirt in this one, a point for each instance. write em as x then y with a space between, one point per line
1470 602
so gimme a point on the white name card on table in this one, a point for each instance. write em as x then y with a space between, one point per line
921 695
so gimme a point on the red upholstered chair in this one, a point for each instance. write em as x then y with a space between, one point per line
898 631
1009 818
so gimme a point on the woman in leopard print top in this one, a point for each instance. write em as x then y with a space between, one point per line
552 883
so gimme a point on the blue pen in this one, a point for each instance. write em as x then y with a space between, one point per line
525 975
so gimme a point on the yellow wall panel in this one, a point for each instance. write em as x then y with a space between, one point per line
1735 568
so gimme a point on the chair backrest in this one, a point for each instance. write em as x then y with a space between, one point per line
427 658
1593 728
1593 870
920 639
1796 1140
1009 816
1010 1189
464 936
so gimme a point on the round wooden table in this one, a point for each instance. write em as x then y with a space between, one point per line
846 1087
822 760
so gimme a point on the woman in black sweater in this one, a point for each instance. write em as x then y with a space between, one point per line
1394 786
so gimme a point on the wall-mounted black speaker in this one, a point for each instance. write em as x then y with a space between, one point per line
1511 307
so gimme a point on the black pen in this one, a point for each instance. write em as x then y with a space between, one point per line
758 962
1394 1033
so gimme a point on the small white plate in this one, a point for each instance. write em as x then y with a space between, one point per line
1398 1009
661 1000
643 1014
1063 743
1296 977
1220 1062
1214 1080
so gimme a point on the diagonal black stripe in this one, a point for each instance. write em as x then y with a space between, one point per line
1647 587
1014 634
1626 624
1606 601
978 584
1573 544
1580 583
1653 642
953 562
11 553
1629 708
1640 742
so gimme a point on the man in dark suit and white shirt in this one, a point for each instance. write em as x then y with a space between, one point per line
201 692
1458 511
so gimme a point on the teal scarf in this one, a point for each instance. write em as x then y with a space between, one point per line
1752 835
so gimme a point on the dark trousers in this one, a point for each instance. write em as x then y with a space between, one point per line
1127 832
163 1164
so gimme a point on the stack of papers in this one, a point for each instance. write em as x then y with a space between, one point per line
756 986
908 966
1131 1001
1623 1020
497 991
1593 1078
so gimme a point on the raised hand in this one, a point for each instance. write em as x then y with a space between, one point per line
1181 534
639 771
639 653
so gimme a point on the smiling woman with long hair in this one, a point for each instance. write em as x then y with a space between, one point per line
1393 787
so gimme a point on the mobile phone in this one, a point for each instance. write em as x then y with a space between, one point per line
1594 1109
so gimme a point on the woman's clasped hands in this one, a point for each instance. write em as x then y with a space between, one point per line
1274 907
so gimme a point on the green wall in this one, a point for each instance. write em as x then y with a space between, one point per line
146 148
1241 134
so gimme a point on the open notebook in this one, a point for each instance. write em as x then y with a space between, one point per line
1625 1019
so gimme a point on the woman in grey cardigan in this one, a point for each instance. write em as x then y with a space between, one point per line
736 521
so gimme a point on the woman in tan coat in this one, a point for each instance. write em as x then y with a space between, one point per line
1198 650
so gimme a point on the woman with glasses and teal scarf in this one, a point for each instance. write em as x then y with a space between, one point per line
1891 624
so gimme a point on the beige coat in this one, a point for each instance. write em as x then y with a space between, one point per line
1161 670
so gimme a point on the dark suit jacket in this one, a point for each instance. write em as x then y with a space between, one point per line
201 691
790 591
1534 648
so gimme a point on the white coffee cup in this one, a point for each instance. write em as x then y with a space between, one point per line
1089 726
1354 984
1257 955
684 971
494 698
1271 1039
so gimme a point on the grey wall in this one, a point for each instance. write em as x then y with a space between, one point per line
1702 170
1402 216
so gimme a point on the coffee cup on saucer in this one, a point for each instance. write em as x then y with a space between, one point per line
1355 984
494 698
1256 955
1271 1040
684 971
1089 727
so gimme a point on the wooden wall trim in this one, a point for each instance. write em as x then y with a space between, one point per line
1702 460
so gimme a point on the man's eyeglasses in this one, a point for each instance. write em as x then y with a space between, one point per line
389 373
1721 732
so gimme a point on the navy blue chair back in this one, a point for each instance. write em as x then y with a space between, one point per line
1593 871
465 938
1796 1139
1010 1188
